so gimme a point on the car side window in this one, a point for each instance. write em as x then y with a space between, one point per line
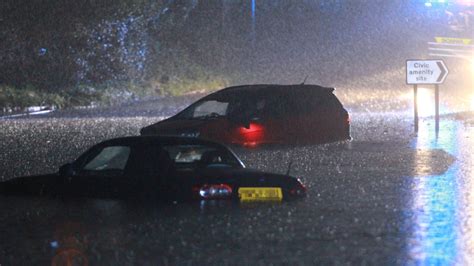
275 106
333 102
313 103
308 103
211 107
111 158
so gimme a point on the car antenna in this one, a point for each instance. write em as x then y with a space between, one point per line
289 168
302 83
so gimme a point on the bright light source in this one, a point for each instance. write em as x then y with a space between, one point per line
430 3
465 2
426 102
253 135
215 191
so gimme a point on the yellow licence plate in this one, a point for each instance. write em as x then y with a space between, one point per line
260 194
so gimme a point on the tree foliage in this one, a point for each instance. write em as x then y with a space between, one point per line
56 44
65 44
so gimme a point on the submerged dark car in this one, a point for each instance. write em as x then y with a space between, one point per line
253 115
153 167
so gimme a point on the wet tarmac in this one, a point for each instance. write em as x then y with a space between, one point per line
389 197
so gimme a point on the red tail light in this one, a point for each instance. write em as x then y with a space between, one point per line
212 191
298 190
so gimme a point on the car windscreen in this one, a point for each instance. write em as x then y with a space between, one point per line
192 156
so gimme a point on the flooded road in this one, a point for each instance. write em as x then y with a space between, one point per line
387 197
443 204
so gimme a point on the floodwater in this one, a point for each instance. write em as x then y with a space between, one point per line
443 203
388 197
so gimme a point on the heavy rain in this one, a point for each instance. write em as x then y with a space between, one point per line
73 74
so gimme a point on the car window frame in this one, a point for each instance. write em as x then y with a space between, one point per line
88 156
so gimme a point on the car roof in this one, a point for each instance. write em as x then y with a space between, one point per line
272 88
160 139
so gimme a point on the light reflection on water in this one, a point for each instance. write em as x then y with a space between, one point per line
439 203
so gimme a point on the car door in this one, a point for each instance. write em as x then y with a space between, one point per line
274 115
148 173
312 117
307 119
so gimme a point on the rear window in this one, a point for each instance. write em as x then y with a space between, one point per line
190 156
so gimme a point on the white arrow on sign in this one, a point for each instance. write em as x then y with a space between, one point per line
426 72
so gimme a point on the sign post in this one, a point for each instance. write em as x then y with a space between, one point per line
415 104
437 107
429 72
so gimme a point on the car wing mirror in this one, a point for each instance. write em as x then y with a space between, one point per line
67 170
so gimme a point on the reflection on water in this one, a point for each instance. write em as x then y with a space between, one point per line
69 245
437 200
